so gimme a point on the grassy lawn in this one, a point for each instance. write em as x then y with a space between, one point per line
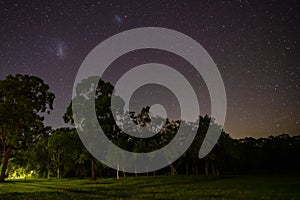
156 187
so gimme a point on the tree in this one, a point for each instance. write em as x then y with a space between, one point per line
23 99
104 91
65 149
38 156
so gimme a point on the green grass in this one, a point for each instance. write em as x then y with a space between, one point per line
156 187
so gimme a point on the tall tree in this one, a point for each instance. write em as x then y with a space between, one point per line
103 93
23 99
37 156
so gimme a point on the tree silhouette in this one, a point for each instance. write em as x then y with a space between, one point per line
22 99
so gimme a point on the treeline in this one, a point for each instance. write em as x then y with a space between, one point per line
28 147
60 153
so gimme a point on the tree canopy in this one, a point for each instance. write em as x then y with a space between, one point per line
23 99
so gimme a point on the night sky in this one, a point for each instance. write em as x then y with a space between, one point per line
255 45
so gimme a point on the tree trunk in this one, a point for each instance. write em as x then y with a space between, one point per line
118 177
4 164
93 169
58 166
213 169
57 159
206 167
58 172
173 170
187 169
48 174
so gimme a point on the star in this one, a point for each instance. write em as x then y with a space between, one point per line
254 49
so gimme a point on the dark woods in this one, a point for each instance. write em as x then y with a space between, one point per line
28 145
61 154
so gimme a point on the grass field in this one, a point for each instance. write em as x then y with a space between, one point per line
156 187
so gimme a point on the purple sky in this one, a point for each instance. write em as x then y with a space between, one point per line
254 44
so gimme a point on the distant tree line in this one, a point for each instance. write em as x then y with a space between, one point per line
27 144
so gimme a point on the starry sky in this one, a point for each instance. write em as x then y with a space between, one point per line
255 45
